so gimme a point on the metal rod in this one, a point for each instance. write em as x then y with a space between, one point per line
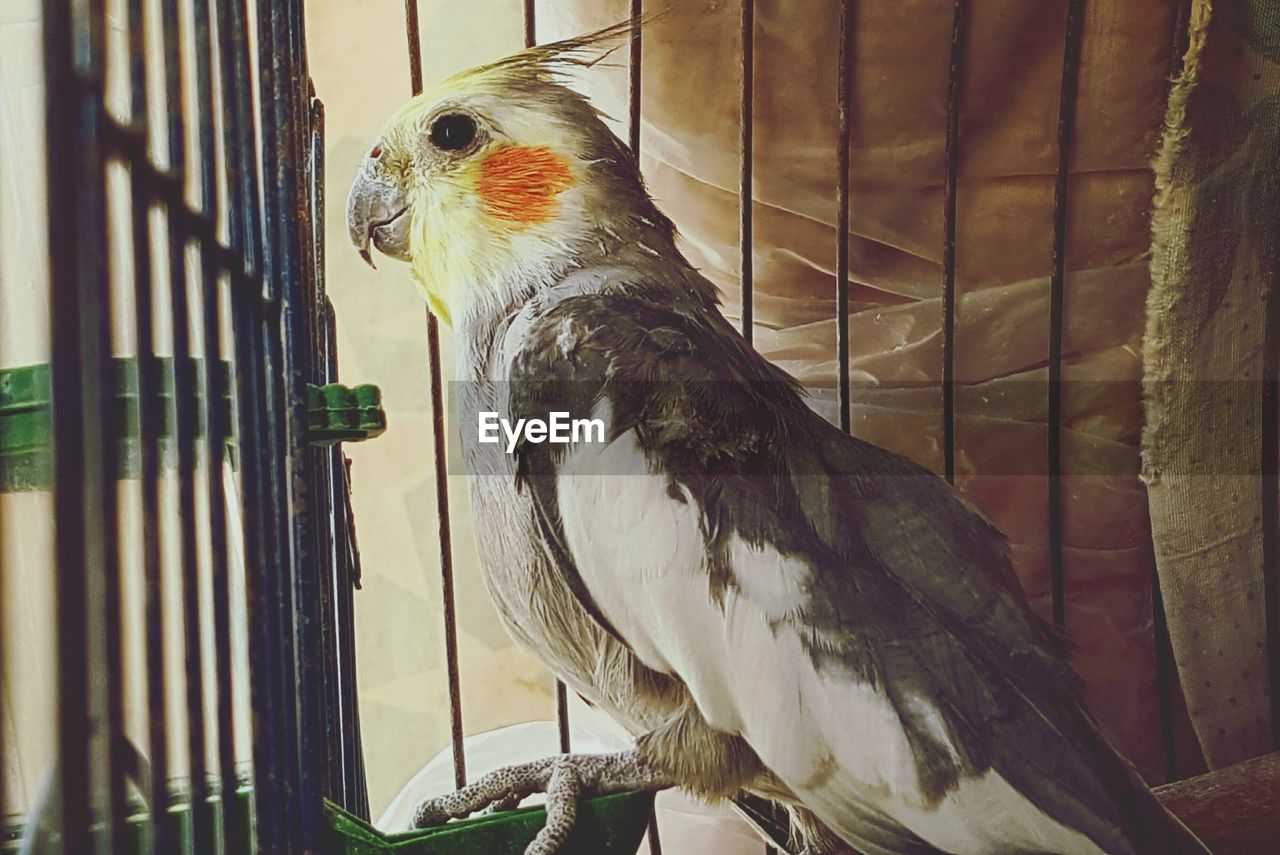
184 404
441 470
746 128
164 831
322 461
1164 676
296 276
235 201
844 80
561 693
634 78
635 100
214 428
280 773
1057 292
349 562
1270 487
80 362
250 323
949 241
655 840
562 716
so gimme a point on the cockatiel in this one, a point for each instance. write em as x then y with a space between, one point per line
771 606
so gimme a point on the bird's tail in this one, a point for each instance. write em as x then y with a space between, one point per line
1148 825
1156 831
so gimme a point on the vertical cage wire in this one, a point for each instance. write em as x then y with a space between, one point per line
844 81
563 730
746 141
328 580
150 418
254 325
1057 292
4 675
441 468
302 365
952 158
1270 487
346 580
277 712
635 82
635 69
746 191
80 352
184 429
214 487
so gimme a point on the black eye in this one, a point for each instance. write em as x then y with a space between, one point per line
453 131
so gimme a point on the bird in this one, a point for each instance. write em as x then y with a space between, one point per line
772 606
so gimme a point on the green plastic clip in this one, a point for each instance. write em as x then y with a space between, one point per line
338 413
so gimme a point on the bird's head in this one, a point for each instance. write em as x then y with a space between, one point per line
496 179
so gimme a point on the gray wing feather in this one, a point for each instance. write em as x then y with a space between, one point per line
915 590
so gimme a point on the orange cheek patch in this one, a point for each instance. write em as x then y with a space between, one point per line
520 183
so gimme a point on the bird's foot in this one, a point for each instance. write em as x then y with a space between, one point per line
565 779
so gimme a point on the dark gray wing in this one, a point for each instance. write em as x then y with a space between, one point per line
913 591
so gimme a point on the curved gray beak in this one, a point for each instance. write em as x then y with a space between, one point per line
378 212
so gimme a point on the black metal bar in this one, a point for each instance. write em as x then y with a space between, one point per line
1164 677
214 428
4 678
296 276
251 325
441 470
278 772
634 78
949 241
562 716
746 198
323 465
655 840
81 349
349 565
746 211
346 572
1057 291
185 416
844 80
561 693
256 446
150 418
1270 486
305 695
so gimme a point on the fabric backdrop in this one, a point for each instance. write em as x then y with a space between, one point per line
1007 158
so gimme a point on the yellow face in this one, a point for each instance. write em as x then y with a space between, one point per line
474 186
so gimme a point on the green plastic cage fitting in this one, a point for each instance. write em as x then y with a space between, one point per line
338 413
606 825
335 413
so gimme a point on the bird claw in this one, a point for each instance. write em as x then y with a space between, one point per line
564 778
